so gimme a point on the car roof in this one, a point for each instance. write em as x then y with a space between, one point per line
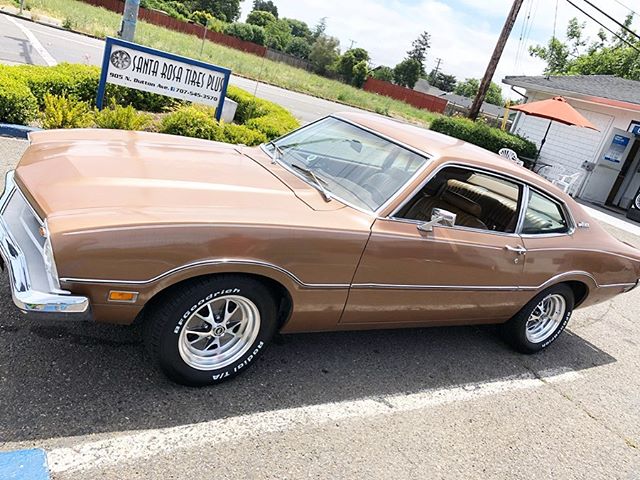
444 148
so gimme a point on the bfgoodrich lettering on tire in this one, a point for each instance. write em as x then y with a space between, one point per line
211 329
540 321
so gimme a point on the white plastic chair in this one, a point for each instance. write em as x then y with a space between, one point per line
510 155
551 172
566 182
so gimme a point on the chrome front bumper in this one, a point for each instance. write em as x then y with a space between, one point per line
28 297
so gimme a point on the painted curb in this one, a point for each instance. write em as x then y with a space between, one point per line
24 465
16 131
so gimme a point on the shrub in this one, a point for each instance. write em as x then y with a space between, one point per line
117 117
192 121
17 103
81 82
240 134
65 112
243 31
266 117
481 134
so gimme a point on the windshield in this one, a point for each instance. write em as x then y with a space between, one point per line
349 162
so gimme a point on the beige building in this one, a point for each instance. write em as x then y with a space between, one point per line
608 160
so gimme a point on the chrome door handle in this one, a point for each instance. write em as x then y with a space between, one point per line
517 249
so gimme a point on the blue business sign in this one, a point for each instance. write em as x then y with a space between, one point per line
142 68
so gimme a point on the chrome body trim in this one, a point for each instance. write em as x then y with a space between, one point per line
222 261
510 288
24 296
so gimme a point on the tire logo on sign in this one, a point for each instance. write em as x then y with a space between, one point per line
120 59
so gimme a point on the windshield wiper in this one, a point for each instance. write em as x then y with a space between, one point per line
276 150
326 194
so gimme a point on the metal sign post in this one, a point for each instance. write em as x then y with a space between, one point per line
129 19
143 68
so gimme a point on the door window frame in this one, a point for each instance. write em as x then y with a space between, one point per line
523 202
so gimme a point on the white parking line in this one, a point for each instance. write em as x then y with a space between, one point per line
37 46
67 38
147 444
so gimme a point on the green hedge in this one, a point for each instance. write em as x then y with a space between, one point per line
23 90
81 82
17 103
199 122
262 115
481 134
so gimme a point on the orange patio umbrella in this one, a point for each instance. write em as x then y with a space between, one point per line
555 109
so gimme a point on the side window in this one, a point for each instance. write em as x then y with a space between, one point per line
543 216
478 200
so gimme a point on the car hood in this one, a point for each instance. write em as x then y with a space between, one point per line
68 172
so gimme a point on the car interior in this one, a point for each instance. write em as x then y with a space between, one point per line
480 201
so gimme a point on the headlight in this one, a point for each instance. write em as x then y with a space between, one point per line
49 262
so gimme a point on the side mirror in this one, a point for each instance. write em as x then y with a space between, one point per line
439 216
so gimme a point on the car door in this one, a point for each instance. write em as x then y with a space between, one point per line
449 275
547 234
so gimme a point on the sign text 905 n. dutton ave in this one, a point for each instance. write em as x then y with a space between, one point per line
142 68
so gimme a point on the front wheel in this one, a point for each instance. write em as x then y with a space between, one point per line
541 320
211 329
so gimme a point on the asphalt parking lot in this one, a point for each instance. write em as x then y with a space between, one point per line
427 403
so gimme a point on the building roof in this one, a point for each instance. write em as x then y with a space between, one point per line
593 87
423 86
466 102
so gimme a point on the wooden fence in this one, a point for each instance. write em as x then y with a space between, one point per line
412 97
162 19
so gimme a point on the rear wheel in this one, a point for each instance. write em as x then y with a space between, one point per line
541 320
210 330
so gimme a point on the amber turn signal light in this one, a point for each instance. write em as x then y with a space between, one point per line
120 296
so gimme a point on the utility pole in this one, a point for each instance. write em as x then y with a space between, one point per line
495 58
129 19
352 43
436 70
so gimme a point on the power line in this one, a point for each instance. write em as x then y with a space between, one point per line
621 25
605 27
623 5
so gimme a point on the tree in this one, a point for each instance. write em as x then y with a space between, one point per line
440 80
278 35
260 18
383 73
299 47
319 29
244 31
324 52
407 72
578 55
419 49
226 10
266 6
556 54
349 60
469 88
298 28
360 73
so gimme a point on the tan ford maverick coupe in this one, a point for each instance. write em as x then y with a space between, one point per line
353 222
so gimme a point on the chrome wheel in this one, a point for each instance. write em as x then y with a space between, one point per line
219 333
545 318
